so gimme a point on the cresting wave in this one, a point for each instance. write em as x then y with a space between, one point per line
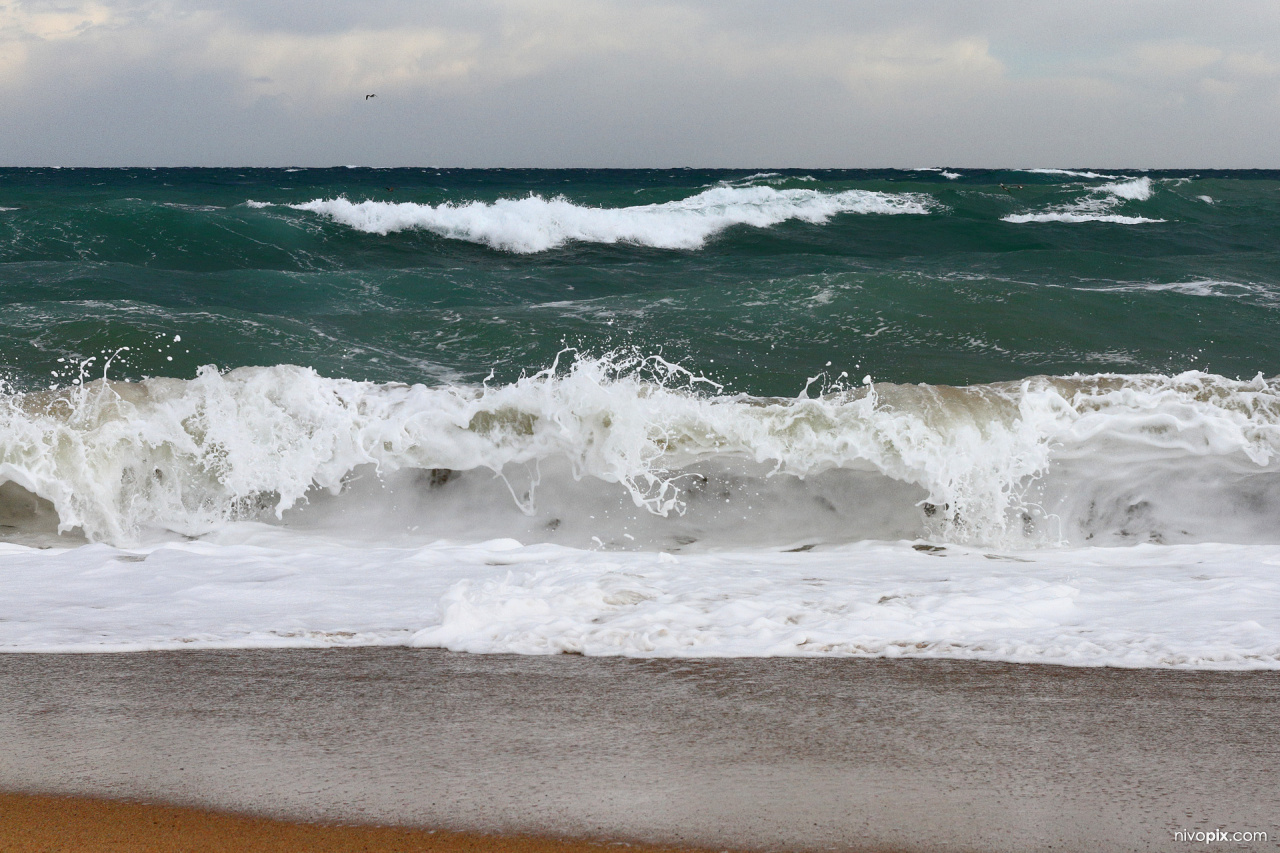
1071 173
1097 206
633 452
536 224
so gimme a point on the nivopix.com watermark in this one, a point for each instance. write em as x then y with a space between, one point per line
1219 836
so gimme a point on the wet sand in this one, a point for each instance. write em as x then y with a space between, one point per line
43 824
782 754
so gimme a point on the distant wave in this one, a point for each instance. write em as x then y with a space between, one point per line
1070 173
772 179
536 224
1097 206
949 175
1258 293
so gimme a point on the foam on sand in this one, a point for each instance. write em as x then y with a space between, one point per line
1184 606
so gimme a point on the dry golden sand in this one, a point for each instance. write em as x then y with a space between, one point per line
43 824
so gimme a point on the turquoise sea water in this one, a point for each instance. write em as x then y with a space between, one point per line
943 290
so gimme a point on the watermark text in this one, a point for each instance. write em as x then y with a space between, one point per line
1218 836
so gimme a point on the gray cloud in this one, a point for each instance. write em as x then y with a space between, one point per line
614 83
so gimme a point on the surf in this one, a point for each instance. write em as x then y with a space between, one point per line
1097 204
627 451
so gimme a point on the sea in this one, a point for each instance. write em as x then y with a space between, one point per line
1014 415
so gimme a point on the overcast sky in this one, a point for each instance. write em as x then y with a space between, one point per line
599 83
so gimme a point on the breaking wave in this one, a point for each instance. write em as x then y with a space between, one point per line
1097 206
1070 173
536 224
633 452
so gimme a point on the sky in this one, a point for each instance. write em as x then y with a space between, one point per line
599 83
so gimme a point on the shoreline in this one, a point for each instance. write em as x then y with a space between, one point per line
757 753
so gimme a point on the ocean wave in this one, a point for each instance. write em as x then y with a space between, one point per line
1138 189
631 452
536 224
1070 173
1197 287
1075 216
1096 206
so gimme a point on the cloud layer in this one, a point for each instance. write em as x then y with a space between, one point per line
604 83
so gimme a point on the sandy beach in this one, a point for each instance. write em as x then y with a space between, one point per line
784 754
30 823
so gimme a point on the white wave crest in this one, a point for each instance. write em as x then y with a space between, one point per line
1075 216
1138 189
1097 206
536 224
1197 287
1070 173
1042 461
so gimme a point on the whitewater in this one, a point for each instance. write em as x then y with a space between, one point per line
623 505
536 224
1097 205
1017 415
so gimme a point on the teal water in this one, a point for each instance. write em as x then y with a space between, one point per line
93 261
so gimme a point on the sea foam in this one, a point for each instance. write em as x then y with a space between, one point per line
660 457
621 505
1182 606
536 224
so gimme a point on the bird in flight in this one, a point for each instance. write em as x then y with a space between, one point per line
367 97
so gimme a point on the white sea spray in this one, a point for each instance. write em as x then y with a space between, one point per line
1038 462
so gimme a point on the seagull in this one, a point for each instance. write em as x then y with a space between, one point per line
367 97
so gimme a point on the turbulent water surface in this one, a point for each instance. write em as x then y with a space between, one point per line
1019 415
